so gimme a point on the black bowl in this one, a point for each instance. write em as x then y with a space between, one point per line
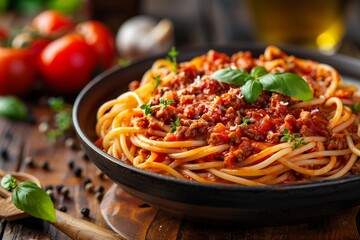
220 203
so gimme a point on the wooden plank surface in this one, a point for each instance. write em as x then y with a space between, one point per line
22 140
19 141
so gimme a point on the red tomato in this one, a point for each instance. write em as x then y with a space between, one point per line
32 41
101 39
67 63
51 22
17 71
3 35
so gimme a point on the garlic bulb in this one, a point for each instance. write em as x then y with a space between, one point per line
143 36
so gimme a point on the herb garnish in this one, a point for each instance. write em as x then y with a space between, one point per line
30 198
356 107
252 84
175 125
172 54
287 137
245 122
157 82
165 102
147 108
62 118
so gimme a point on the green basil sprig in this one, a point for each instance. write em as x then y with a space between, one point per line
30 198
259 79
13 108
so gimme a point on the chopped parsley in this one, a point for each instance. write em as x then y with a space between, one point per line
175 125
172 54
165 103
157 82
245 122
287 137
147 108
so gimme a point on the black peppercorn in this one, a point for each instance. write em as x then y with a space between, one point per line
85 212
89 187
87 180
29 161
45 165
4 154
101 175
71 163
78 171
99 196
59 187
65 191
63 208
100 189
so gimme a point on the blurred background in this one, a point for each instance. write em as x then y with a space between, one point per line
327 25
142 28
219 21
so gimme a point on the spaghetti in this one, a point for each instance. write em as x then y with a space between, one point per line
179 121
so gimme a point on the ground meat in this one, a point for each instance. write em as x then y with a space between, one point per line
196 129
166 115
337 142
238 153
142 122
313 124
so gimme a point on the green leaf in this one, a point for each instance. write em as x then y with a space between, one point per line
258 71
175 125
251 90
12 108
232 76
287 137
147 108
172 54
33 200
356 107
298 143
245 122
288 84
8 182
157 82
56 103
165 102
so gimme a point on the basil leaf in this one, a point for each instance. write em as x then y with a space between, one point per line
258 71
251 90
288 84
34 200
8 182
12 108
231 76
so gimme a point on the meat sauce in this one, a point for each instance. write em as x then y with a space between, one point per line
218 113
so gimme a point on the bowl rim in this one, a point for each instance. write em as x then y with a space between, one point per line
218 186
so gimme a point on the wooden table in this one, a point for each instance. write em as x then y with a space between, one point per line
20 141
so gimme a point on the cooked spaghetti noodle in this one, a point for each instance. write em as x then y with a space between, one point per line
182 123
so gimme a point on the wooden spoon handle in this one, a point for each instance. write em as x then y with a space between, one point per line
81 229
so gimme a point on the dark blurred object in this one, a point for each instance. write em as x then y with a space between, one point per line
113 12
